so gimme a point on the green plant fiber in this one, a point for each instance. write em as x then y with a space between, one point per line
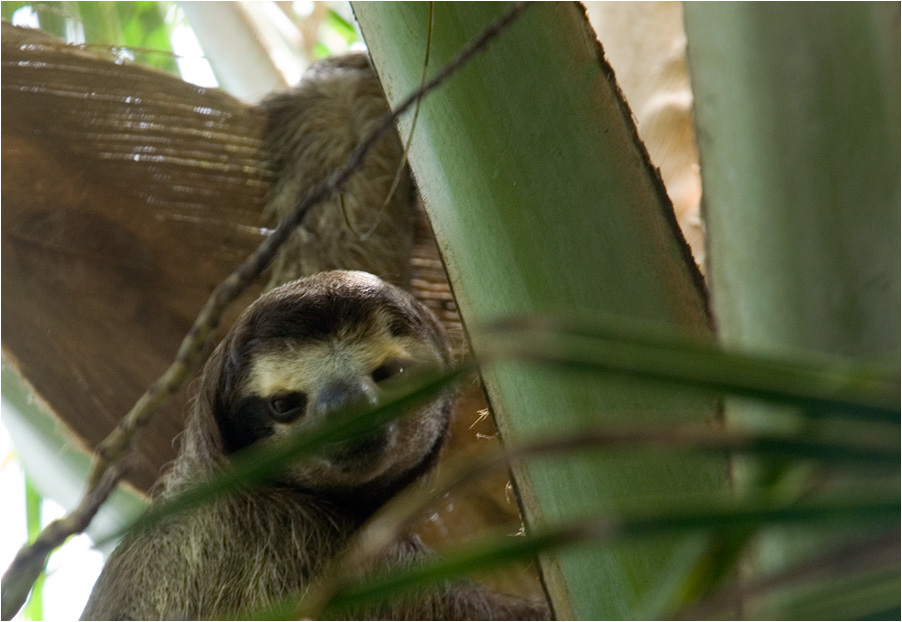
543 201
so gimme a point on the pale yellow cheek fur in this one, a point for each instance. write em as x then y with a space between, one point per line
305 367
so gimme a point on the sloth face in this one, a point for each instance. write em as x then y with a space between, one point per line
307 349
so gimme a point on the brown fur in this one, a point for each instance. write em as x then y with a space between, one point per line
312 130
250 549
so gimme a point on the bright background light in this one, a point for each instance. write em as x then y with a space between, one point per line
71 570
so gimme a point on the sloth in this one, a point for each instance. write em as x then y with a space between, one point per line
310 131
297 354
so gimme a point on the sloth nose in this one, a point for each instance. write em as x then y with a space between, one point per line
340 392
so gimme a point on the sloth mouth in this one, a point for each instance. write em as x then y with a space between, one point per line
361 454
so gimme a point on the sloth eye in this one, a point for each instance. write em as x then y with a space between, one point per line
388 369
287 407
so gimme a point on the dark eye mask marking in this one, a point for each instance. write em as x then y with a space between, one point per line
247 422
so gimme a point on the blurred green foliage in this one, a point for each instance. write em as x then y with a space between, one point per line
138 31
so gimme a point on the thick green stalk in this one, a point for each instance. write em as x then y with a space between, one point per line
543 201
797 110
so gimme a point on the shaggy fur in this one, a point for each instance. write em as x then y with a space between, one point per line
312 130
252 548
